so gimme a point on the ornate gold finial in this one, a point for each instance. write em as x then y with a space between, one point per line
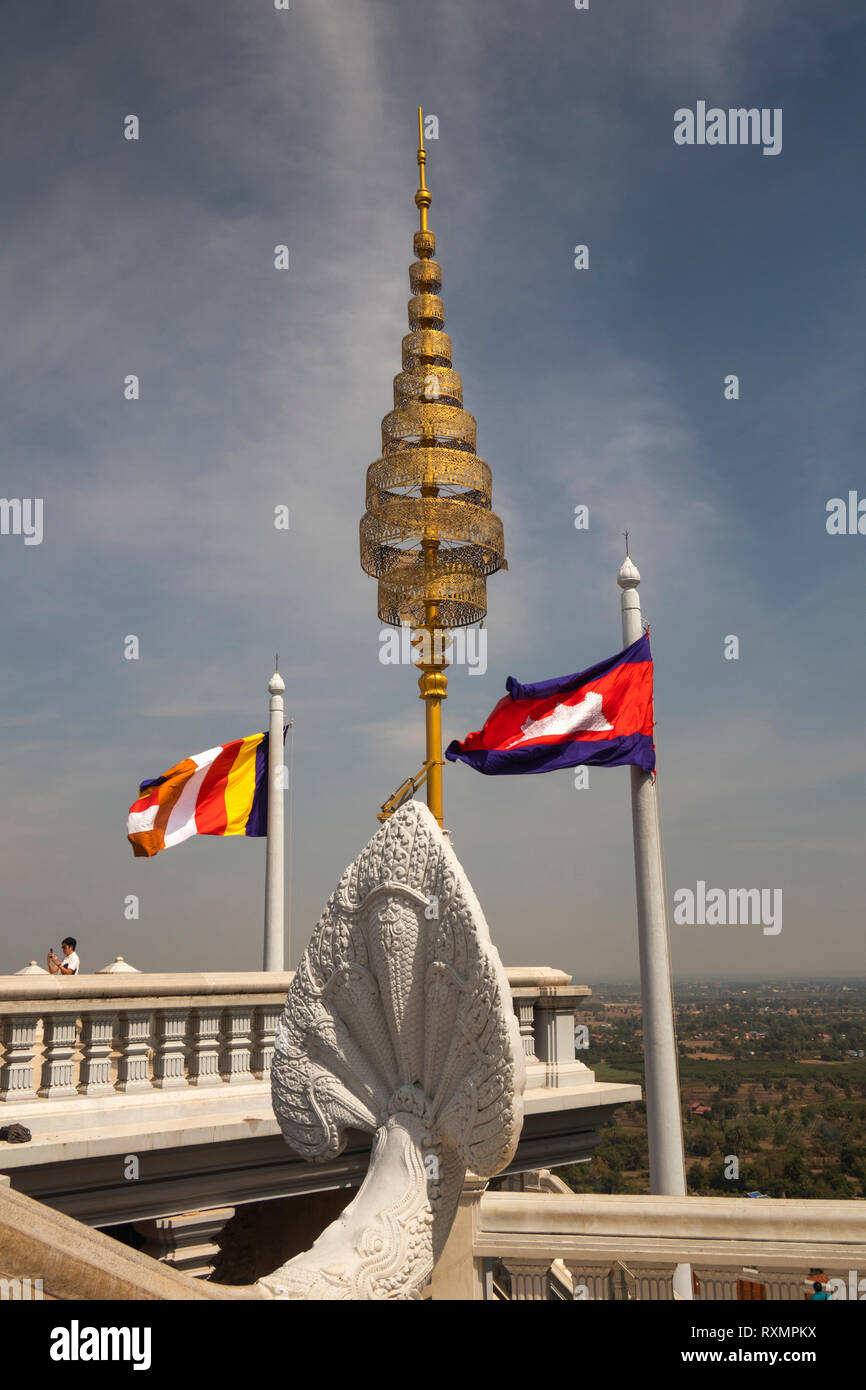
422 197
429 535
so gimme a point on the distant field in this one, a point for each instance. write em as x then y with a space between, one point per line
630 1068
794 1114
626 1073
791 1070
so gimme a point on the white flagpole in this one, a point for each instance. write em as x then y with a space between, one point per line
661 1070
274 885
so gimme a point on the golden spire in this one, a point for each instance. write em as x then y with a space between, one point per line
429 535
422 197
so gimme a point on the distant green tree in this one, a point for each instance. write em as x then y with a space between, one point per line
794 1171
716 1179
697 1178
757 1128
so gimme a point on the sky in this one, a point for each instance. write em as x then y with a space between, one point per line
601 387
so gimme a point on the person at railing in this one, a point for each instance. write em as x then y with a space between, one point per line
820 1292
70 965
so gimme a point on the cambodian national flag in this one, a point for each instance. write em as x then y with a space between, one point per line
603 715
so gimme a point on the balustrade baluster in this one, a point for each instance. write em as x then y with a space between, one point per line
590 1281
97 1033
133 1073
204 1063
237 1043
524 1000
19 1040
654 1282
266 1018
58 1065
530 1279
169 1062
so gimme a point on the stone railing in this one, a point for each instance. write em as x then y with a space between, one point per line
103 1035
549 1246
63 1038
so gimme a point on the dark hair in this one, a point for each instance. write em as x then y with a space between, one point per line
69 941
818 1286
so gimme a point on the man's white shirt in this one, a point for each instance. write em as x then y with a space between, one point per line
72 963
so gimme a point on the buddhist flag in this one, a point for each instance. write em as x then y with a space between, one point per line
223 791
603 715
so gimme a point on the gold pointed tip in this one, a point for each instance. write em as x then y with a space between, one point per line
422 197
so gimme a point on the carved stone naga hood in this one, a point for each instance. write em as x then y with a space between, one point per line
398 1022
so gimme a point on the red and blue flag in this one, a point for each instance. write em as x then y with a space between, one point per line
603 716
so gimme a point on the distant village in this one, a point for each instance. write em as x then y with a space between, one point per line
805 1022
772 1074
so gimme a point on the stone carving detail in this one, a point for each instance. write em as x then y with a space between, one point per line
398 1022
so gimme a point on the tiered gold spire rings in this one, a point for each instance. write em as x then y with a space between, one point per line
429 535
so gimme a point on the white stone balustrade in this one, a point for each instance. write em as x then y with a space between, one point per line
626 1247
102 1035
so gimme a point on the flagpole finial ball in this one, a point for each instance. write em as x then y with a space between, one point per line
629 574
276 684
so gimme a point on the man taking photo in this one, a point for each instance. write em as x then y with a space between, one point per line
70 965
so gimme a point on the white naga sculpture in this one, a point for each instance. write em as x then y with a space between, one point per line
398 1022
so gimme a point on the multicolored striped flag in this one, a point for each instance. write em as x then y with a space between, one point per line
223 791
603 716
